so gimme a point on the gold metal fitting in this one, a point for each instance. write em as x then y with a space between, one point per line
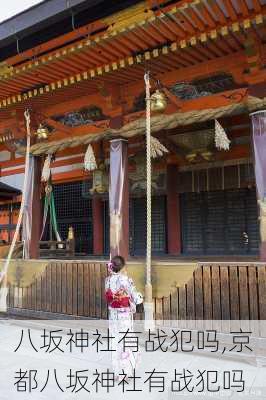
158 101
42 132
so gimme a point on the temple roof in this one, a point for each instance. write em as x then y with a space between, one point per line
117 48
50 19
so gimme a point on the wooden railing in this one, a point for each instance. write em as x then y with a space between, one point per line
50 249
215 292
218 292
64 288
57 249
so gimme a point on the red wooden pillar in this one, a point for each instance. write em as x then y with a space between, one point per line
97 216
36 210
173 212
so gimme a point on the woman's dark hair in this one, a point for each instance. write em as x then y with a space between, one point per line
118 263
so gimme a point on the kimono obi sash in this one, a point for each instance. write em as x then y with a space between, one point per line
118 299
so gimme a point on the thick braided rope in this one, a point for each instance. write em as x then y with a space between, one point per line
148 167
3 291
158 123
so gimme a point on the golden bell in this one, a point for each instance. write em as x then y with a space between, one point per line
42 132
158 101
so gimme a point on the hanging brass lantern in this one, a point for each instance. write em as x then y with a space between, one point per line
42 132
158 101
100 180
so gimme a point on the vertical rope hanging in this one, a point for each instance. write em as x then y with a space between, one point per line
148 305
148 166
3 277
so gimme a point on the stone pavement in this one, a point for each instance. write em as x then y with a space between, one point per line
26 359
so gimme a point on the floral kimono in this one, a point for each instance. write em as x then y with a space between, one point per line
122 297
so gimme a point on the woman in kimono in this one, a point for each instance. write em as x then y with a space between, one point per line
122 298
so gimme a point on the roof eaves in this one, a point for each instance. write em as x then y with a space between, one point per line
37 15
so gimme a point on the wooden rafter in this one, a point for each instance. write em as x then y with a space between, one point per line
132 71
203 10
180 26
256 5
196 19
153 32
230 9
244 8
217 11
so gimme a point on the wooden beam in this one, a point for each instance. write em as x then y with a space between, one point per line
174 99
258 90
173 212
57 125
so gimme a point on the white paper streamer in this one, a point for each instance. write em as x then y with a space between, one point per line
157 148
89 159
46 171
221 139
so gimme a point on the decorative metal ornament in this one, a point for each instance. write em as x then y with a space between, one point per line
100 180
199 155
138 179
158 102
207 155
196 146
42 132
5 69
70 235
48 189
